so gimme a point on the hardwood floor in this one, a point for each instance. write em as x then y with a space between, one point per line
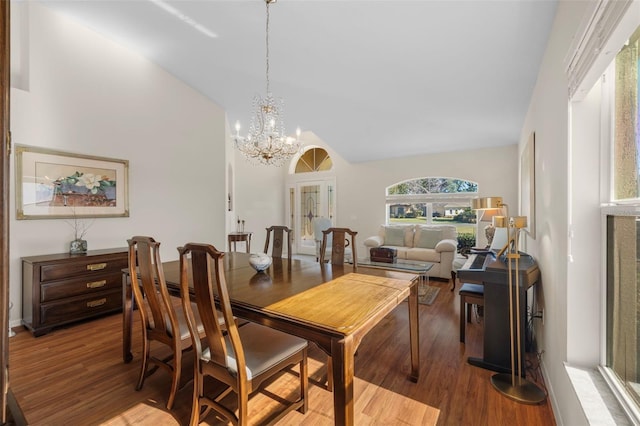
75 376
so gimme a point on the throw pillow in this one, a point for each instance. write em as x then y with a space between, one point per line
428 238
393 236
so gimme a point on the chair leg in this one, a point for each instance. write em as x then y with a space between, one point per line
304 384
243 407
175 376
453 280
145 360
195 403
462 319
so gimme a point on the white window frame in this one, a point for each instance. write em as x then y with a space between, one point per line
603 32
610 206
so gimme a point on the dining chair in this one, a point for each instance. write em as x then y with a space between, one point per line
241 357
162 321
320 224
278 240
343 244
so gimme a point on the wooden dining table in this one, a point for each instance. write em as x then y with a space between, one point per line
332 306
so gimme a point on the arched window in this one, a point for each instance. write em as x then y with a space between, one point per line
434 200
314 160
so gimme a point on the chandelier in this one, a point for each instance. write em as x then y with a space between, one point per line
267 142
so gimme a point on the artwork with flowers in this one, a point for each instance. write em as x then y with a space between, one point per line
95 188
60 184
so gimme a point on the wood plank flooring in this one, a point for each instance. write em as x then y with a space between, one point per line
75 376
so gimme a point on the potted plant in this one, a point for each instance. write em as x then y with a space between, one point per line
80 228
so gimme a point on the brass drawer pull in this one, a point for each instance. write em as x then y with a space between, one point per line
97 284
96 266
96 303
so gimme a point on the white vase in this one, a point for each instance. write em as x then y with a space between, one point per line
259 261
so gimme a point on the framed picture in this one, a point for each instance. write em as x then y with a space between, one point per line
55 184
528 184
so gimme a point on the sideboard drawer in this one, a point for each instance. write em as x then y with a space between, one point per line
64 311
61 288
85 285
87 266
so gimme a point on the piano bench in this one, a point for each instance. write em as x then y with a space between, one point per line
470 294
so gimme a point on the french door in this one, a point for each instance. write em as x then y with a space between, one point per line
308 200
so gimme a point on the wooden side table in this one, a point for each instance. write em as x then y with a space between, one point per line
234 237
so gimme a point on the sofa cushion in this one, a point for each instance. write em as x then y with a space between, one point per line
427 238
407 231
393 236
449 232
423 255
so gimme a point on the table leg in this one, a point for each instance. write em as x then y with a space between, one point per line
248 241
127 318
342 352
414 337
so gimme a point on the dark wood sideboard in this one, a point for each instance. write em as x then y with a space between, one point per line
62 288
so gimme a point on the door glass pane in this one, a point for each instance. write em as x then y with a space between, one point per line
292 206
309 208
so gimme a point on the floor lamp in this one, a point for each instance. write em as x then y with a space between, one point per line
513 385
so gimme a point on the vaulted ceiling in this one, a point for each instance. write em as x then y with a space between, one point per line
373 79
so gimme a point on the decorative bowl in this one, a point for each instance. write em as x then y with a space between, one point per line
260 261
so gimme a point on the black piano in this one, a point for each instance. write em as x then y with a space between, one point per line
492 271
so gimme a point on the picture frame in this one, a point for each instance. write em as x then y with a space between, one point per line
528 184
56 184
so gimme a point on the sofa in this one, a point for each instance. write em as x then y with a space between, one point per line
426 243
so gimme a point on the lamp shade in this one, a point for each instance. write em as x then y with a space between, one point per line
501 221
519 222
487 215
486 203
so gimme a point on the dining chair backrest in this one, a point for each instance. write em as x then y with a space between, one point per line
240 357
161 321
201 270
341 238
320 224
149 286
280 235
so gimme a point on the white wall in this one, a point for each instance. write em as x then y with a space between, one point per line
86 94
548 117
260 198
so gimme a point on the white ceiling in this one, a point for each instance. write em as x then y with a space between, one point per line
373 79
